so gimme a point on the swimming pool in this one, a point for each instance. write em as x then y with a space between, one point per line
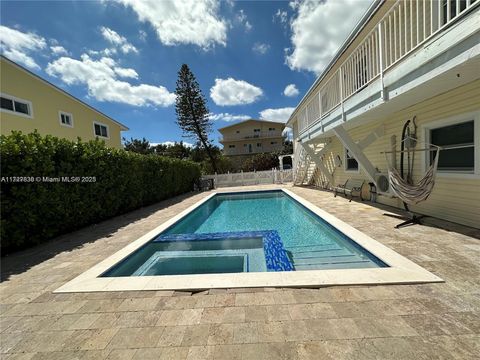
249 239
247 232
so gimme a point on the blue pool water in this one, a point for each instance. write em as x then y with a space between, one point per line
246 232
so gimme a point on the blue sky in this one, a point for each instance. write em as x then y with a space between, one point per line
252 59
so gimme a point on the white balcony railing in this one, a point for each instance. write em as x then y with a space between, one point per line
405 27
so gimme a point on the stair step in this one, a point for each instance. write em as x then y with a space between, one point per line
343 259
321 254
343 265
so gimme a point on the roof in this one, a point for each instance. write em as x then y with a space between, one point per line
253 120
353 34
3 57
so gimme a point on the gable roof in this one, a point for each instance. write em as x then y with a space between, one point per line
3 57
253 120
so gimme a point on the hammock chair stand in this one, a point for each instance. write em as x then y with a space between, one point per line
413 219
408 193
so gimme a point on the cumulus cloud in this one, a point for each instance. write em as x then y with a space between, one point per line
279 114
228 117
19 46
118 41
281 16
242 19
58 50
101 78
260 48
318 30
291 90
194 22
234 92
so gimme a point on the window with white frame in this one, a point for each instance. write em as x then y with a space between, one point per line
351 164
12 104
100 130
66 119
458 146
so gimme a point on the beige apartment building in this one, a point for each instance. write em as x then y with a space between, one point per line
252 137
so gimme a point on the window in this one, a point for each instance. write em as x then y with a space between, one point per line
100 130
259 144
256 130
271 129
457 141
231 146
238 131
15 105
351 164
273 143
66 119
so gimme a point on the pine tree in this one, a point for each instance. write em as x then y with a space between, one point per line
192 111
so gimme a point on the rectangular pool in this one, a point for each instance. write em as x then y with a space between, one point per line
262 231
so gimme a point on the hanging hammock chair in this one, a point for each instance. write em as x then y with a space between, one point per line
414 193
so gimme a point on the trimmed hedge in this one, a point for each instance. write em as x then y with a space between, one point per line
34 210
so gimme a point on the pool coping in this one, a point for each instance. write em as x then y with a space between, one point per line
400 271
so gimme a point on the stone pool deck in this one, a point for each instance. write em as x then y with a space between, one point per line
425 321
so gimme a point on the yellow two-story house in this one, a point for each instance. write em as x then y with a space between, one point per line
30 103
251 137
405 82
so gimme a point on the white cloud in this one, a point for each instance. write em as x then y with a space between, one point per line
242 19
194 22
118 41
171 143
318 30
280 114
58 50
101 78
228 117
234 92
126 73
260 48
18 46
291 90
142 35
282 16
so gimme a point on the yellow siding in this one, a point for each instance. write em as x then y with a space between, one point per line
454 198
46 103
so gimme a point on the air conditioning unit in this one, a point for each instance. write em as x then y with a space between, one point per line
383 184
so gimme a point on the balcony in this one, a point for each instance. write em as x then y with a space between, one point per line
380 67
251 136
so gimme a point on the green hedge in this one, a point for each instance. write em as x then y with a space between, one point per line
33 212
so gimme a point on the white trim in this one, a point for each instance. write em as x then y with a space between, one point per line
456 119
14 98
101 124
400 271
60 113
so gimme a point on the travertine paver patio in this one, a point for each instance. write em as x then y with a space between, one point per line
429 321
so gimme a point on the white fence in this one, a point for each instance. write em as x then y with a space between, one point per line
273 176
